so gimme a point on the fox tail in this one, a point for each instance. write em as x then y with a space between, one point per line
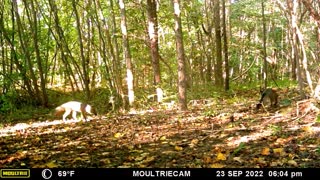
59 111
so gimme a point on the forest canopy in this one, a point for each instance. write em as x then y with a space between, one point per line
134 51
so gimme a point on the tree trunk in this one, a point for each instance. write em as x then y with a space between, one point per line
154 45
225 47
22 71
293 5
316 16
116 60
265 63
34 27
25 50
218 65
182 92
64 48
126 50
207 42
84 61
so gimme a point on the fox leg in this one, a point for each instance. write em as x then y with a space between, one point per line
83 116
66 114
276 102
74 115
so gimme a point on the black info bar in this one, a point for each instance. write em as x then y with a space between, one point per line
162 173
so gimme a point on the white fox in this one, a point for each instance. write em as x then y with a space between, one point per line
74 107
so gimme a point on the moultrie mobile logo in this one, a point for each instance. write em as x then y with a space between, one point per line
15 173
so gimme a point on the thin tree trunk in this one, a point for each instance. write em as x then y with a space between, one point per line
26 53
293 5
116 60
126 50
208 44
218 65
304 59
20 68
34 27
182 91
293 28
316 16
63 47
154 47
265 63
105 42
225 47
85 75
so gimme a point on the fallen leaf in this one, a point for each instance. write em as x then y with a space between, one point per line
178 148
238 159
118 135
60 137
265 151
142 166
207 159
148 159
293 163
51 164
217 165
301 148
260 161
194 141
221 157
38 157
279 151
307 129
130 147
163 138
80 159
37 139
281 140
276 163
105 161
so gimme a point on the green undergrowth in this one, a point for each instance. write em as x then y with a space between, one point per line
20 108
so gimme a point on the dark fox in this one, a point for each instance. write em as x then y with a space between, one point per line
270 95
74 107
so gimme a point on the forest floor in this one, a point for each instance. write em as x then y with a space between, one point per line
213 133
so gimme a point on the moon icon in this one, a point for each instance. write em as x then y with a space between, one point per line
45 175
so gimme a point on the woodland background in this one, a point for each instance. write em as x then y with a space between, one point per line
134 50
203 58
